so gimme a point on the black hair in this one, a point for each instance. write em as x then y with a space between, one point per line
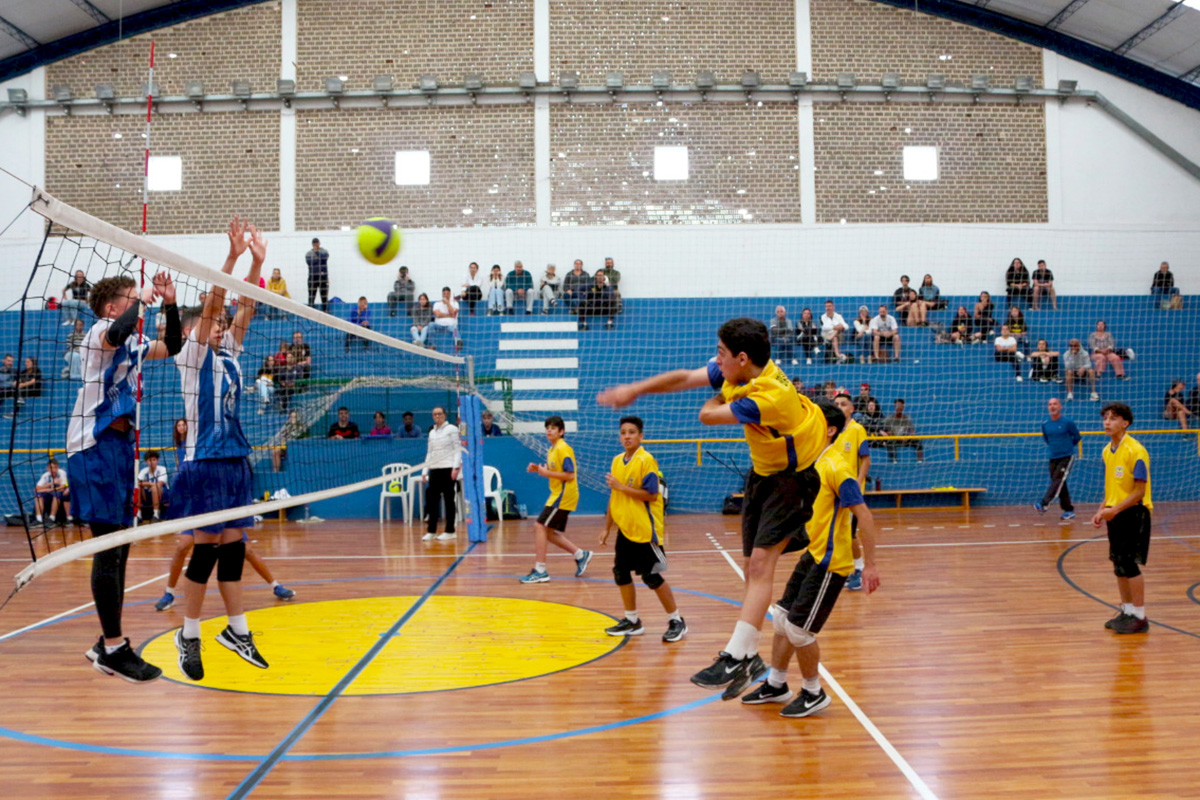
555 421
53 461
343 408
845 395
905 278
1119 409
380 414
152 454
834 416
406 414
316 240
635 421
749 336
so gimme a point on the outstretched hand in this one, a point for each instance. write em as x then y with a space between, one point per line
257 244
164 287
617 396
237 237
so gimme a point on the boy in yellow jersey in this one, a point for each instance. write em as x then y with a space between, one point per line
564 498
786 433
818 578
853 445
1126 509
636 507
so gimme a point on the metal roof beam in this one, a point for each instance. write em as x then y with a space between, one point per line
1065 14
1191 75
1154 27
92 11
18 34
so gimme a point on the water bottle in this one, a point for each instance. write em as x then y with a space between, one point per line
878 484
521 510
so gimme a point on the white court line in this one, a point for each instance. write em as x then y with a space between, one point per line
75 610
859 714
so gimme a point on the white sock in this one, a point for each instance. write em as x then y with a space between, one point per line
859 563
744 642
274 584
632 616
777 677
540 566
813 685
1138 611
578 554
191 628
39 517
674 615
110 649
1127 608
238 623
171 590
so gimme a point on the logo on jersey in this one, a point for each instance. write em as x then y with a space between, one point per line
1119 471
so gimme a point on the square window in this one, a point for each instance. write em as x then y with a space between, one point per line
412 168
165 174
920 163
670 163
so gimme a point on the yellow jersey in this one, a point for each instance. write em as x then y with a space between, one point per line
829 528
639 521
784 429
1123 467
853 445
563 494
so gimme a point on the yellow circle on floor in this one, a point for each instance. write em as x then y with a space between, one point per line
451 642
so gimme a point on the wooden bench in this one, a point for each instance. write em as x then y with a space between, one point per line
964 492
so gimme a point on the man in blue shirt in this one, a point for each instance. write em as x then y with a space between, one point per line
408 430
1062 437
317 260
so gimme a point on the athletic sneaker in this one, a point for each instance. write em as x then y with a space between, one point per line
581 563
1041 509
126 663
753 668
676 628
536 576
854 582
1068 515
93 653
190 663
165 602
807 703
626 628
719 673
769 694
1130 624
449 536
429 537
1120 616
283 593
242 645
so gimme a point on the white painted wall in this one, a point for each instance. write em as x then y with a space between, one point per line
23 153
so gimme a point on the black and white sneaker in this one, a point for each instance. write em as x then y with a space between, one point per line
126 663
93 653
717 674
190 663
626 628
807 703
676 629
1121 615
242 645
753 668
769 694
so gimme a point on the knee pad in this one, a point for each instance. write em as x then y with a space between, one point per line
779 619
231 559
1126 567
798 636
622 577
204 558
654 580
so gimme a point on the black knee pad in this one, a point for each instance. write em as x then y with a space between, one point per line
654 580
622 577
1126 567
204 558
231 559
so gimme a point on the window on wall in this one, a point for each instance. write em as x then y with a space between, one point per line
165 174
412 168
920 163
670 163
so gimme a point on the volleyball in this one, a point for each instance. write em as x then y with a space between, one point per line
379 240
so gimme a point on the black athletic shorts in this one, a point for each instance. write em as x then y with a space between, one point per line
776 507
554 518
810 594
644 558
1129 535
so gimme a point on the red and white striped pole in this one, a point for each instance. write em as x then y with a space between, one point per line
137 419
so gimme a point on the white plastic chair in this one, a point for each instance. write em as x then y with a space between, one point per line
397 472
414 498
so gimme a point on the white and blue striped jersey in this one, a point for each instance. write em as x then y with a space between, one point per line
212 394
109 389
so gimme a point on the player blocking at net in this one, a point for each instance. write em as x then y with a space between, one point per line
786 433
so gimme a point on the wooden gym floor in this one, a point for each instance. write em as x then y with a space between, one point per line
980 669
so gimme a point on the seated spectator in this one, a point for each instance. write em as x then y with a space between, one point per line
884 330
1174 406
303 356
359 315
495 290
808 335
1016 326
783 337
900 424
931 295
8 379
343 428
1162 287
277 284
74 354
518 287
264 386
292 430
1100 342
900 300
575 285
29 381
401 295
984 319
830 389
864 396
863 342
381 427
52 488
75 298
960 327
445 315
599 302
1193 402
549 288
1044 364
408 430
613 276
286 381
1076 364
918 312
490 428
472 288
152 485
422 318
1043 284
1007 352
832 328
1016 283
871 418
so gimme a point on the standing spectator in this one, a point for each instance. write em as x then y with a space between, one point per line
550 286
575 285
8 379
401 295
613 276
490 428
75 297
783 337
984 318
900 424
1100 342
52 487
884 329
408 430
1044 363
495 290
472 287
900 300
872 419
422 318
1163 287
1043 284
152 484
317 260
445 315
74 354
518 286
292 430
1007 352
832 327
808 334
1061 437
862 335
343 428
1016 283
931 295
1076 364
960 326
443 460
303 355
599 302
360 315
381 427
1174 406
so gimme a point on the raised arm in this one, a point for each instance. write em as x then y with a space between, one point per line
245 312
214 304
678 380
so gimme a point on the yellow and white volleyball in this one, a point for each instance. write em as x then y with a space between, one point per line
395 486
379 240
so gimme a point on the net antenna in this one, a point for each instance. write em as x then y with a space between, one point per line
141 323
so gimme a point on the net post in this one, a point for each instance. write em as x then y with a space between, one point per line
470 409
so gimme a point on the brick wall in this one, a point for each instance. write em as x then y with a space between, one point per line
230 166
446 38
596 36
481 159
602 164
242 44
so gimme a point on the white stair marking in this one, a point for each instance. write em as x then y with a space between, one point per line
565 404
539 327
540 427
537 363
541 384
539 344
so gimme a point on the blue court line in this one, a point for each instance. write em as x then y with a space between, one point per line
254 778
